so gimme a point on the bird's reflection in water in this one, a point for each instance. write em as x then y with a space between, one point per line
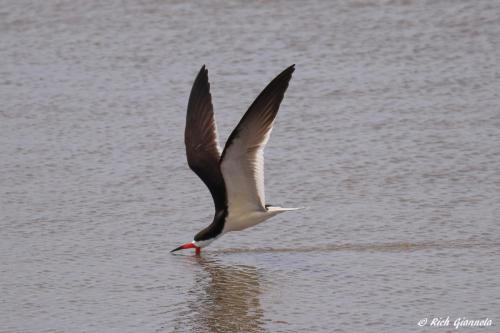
229 300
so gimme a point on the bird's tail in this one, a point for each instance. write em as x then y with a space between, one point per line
281 209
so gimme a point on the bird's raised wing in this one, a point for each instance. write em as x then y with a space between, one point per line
242 161
200 136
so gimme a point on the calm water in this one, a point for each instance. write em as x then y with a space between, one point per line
389 134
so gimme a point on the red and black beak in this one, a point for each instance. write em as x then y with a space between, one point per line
186 246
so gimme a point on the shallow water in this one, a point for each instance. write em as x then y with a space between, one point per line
388 134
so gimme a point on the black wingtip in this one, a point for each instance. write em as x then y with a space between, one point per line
203 72
287 72
283 78
201 82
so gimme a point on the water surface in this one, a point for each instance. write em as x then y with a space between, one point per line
388 134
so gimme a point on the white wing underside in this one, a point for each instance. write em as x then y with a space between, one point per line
242 161
243 172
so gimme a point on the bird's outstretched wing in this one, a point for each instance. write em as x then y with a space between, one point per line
200 136
242 161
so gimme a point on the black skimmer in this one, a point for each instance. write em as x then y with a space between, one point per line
235 178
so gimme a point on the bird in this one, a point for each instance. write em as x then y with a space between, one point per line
235 177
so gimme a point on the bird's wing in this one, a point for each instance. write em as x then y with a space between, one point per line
242 161
202 149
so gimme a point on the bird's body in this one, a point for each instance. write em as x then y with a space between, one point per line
235 178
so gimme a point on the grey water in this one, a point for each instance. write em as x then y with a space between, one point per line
389 134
